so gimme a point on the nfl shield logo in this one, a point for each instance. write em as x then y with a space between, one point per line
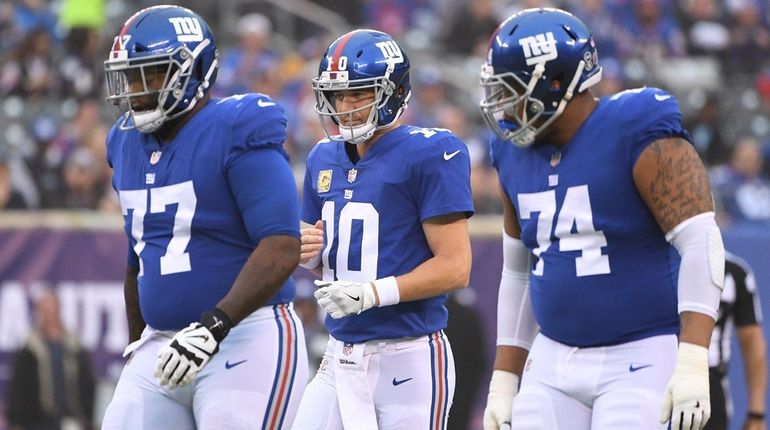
155 157
555 159
347 349
352 173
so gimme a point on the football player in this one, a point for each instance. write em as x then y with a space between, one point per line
610 245
387 205
212 218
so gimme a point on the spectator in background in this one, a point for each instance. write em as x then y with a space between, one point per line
741 187
706 132
244 65
477 21
51 382
749 39
656 33
705 27
80 69
28 71
9 197
739 307
83 184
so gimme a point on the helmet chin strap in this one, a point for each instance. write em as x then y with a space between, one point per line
148 121
357 134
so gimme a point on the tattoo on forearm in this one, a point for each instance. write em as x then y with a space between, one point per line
681 188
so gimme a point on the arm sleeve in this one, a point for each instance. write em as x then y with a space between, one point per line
264 189
516 325
444 185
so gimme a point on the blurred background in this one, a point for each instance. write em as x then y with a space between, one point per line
60 222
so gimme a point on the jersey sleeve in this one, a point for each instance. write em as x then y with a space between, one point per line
747 310
263 186
311 204
256 122
443 179
655 115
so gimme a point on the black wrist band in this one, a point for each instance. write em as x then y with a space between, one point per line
217 322
759 416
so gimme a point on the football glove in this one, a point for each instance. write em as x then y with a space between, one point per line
190 349
503 387
341 298
686 399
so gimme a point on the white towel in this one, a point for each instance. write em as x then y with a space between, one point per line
353 393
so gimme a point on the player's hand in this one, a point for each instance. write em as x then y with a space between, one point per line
312 239
686 399
340 298
190 349
502 389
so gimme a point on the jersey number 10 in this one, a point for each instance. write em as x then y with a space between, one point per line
370 240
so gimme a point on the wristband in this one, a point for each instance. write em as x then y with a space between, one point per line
217 322
312 263
387 291
756 416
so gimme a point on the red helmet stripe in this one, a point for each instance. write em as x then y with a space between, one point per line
338 50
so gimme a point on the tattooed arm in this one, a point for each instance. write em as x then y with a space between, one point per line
672 181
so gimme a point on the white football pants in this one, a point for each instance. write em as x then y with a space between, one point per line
616 387
404 384
255 381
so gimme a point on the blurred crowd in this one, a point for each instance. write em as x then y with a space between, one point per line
712 54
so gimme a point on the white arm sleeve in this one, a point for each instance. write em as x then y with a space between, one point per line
702 269
516 324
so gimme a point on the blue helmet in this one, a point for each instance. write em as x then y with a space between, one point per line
537 60
363 59
163 60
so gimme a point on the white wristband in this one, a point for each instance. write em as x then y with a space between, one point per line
387 291
312 263
504 382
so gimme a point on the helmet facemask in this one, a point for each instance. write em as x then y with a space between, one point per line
152 101
326 88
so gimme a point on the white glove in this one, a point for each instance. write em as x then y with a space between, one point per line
687 392
190 349
503 387
341 298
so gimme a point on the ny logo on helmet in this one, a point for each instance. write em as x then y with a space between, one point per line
391 51
539 48
188 29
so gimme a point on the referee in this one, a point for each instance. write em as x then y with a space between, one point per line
738 307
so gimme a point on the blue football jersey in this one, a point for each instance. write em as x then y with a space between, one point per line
603 272
373 213
191 214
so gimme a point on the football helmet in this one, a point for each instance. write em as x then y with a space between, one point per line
362 59
537 60
163 60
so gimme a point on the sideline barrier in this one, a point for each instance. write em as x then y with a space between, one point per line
83 256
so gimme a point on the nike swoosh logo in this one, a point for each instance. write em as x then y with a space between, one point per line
631 367
230 366
449 156
397 382
662 97
356 298
263 103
